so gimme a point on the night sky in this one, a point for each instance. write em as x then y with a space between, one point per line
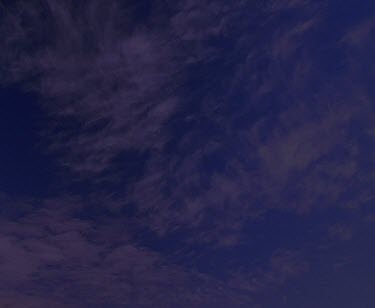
187 153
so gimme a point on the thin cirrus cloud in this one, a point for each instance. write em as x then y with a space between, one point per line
232 121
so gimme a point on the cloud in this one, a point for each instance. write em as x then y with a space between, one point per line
117 87
360 33
112 80
229 125
82 263
341 232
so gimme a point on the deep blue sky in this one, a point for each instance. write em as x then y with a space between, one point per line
187 153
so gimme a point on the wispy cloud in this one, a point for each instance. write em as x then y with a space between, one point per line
230 119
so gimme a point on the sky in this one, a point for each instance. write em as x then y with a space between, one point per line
187 153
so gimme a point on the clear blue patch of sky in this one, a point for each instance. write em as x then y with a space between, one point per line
25 168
